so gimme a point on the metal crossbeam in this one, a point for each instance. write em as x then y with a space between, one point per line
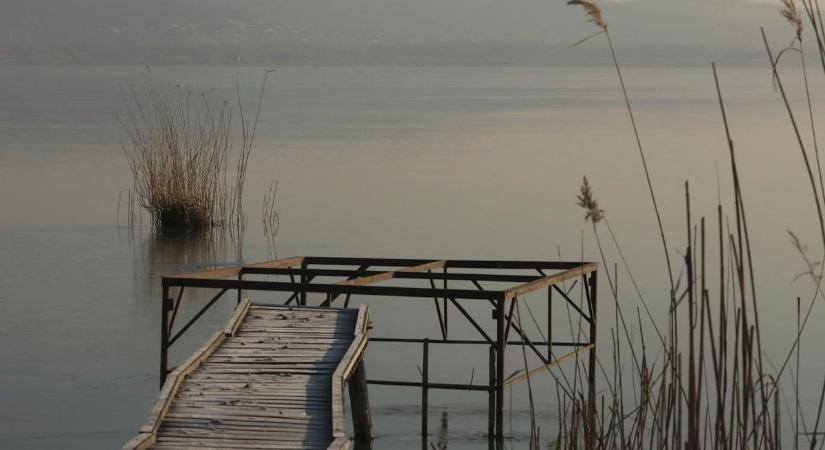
383 276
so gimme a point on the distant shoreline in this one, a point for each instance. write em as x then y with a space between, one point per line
471 54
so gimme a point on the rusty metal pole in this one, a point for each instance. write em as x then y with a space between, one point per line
240 291
304 278
491 401
425 380
591 371
164 333
446 323
500 348
550 323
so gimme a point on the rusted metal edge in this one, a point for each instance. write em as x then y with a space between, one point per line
342 373
384 291
452 263
148 432
233 271
361 281
240 312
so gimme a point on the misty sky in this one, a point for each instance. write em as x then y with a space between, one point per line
678 26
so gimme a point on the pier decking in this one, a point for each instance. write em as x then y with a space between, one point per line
273 379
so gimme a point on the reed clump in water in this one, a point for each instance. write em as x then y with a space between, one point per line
179 145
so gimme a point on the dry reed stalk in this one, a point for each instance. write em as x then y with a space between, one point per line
270 218
594 14
689 398
178 146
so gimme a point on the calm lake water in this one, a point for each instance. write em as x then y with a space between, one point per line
380 161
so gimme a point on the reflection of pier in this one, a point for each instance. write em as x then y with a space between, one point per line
448 284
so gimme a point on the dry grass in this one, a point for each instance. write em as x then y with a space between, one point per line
705 383
594 14
179 145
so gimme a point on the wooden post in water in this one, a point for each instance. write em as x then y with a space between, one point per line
491 394
164 334
304 279
240 291
359 399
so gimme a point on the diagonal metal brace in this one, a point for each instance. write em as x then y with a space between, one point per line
197 316
472 321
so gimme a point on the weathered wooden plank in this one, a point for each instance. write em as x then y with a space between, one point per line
342 373
243 426
240 314
273 378
278 435
557 278
280 350
167 393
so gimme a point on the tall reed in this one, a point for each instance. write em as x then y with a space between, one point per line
179 145
270 218
706 384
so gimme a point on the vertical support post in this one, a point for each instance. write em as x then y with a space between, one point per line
501 344
491 394
303 299
550 323
591 370
164 333
240 292
359 400
425 381
446 323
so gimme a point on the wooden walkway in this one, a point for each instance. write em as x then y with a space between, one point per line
273 379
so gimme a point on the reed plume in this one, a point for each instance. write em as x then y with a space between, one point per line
790 12
588 201
593 11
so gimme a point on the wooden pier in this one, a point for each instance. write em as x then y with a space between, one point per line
291 396
273 379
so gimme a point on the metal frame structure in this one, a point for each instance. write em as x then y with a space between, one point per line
358 276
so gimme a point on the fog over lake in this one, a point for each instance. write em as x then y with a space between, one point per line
394 129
